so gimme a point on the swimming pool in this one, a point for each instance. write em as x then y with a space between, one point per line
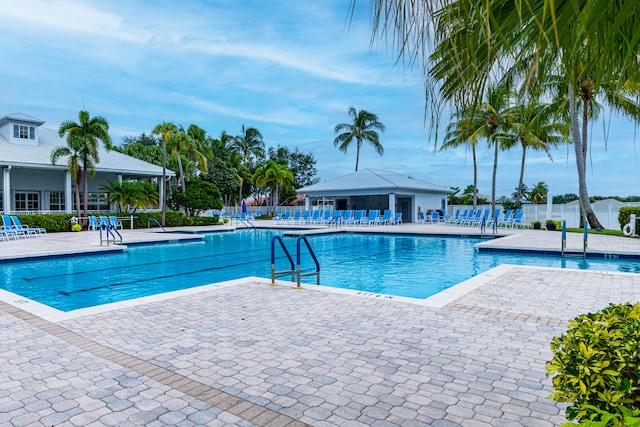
401 265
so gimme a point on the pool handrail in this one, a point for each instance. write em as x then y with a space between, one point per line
274 273
150 220
303 238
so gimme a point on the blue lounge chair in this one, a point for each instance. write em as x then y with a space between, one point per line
516 221
482 220
93 223
421 218
9 230
385 219
397 219
494 218
473 218
506 218
372 218
115 222
31 231
434 218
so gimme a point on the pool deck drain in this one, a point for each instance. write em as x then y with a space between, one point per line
251 354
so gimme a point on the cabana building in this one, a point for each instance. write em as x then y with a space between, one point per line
377 189
32 184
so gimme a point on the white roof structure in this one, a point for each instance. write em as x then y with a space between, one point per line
39 155
372 181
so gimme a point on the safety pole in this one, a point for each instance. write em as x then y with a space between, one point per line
586 232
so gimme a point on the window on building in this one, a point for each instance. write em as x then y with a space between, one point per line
56 201
27 201
98 202
1 202
24 132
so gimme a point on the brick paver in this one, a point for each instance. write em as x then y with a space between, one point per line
252 354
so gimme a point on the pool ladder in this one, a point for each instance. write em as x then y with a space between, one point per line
297 269
109 229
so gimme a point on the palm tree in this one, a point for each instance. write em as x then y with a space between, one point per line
477 40
135 194
533 125
361 129
490 122
165 130
461 131
90 130
250 145
73 150
273 175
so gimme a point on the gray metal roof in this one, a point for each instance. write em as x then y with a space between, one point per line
39 156
21 117
374 180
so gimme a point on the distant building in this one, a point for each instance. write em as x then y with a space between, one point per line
378 189
31 184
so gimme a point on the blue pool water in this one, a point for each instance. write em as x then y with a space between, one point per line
412 266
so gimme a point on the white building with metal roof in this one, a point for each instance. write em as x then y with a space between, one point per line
378 189
31 183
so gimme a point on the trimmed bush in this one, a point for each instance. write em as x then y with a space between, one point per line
625 212
597 362
51 222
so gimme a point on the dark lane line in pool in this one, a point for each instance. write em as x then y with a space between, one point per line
177 260
65 293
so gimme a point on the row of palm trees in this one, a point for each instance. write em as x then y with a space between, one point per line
587 51
505 122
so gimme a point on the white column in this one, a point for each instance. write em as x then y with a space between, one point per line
68 193
392 203
119 178
6 190
307 204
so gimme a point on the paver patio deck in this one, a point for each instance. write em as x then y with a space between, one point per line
251 354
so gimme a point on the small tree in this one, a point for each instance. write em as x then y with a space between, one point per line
199 196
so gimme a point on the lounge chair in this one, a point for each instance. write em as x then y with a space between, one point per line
93 223
506 218
494 218
434 218
421 218
385 219
464 217
473 218
115 222
31 231
9 230
296 217
397 219
372 218
348 216
482 220
516 221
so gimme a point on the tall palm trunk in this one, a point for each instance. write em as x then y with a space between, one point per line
182 184
495 172
78 181
578 140
521 182
85 186
475 177
358 153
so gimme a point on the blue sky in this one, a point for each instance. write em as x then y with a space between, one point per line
289 68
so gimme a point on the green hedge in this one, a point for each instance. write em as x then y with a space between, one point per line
625 212
60 222
50 222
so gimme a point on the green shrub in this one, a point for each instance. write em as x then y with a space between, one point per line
597 362
623 417
625 212
51 222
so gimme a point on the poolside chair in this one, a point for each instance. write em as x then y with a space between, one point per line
473 218
93 223
482 220
465 216
115 222
505 220
516 221
9 230
385 219
326 217
434 218
372 218
421 218
454 218
348 217
31 231
296 217
397 219
494 218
